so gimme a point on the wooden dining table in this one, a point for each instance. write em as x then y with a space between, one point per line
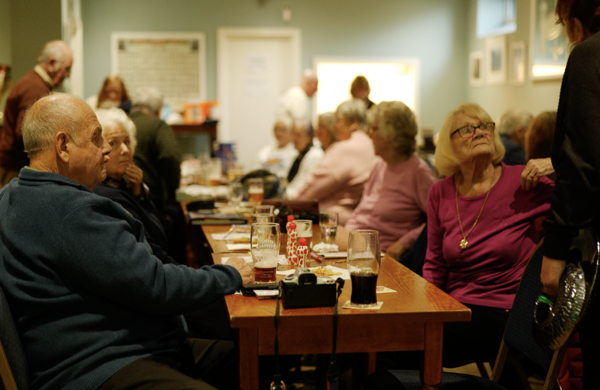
410 319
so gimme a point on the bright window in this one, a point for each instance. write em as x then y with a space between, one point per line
496 17
393 79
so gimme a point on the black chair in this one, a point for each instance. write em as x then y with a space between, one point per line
13 366
517 336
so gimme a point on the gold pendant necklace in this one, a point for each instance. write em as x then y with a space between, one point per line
463 243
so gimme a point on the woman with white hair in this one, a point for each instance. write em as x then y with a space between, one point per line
338 180
394 200
123 183
279 155
481 229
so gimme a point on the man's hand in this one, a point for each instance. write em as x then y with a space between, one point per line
135 176
552 270
243 268
396 250
534 170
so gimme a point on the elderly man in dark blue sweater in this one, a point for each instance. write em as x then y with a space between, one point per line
94 308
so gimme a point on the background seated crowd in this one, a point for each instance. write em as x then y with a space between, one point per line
118 289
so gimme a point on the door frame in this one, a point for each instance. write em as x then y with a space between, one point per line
224 36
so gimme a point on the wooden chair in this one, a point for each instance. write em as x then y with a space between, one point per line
517 337
13 366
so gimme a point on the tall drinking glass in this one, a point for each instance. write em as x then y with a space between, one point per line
328 222
256 191
263 214
364 259
265 249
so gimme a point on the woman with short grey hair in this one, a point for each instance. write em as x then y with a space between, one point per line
325 131
394 200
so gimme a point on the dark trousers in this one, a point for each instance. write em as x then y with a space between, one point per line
200 364
589 338
464 342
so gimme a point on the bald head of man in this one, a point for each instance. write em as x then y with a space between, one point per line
62 135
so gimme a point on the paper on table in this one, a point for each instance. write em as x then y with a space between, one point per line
383 290
344 272
248 259
238 247
347 305
231 236
334 255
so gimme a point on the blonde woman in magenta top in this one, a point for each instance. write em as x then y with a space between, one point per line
481 229
394 200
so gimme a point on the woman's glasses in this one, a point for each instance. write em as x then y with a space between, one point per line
469 131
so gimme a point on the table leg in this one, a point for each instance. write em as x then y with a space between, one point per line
431 373
249 358
363 364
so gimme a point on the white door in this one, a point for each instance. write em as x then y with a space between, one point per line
254 67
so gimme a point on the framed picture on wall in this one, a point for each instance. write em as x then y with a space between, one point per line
516 63
476 69
548 42
495 60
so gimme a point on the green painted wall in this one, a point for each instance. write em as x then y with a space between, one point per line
33 23
5 35
535 96
432 30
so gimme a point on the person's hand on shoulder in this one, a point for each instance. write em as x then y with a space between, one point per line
534 170
243 268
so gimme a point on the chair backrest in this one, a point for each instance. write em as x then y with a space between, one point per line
519 331
13 366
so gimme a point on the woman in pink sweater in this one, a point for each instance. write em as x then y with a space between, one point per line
394 200
338 180
481 231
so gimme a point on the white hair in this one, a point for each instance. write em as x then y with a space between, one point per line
149 98
512 119
110 117
53 49
354 110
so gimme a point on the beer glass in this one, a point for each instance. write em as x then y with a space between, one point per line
304 228
256 191
262 214
328 222
364 259
215 168
264 238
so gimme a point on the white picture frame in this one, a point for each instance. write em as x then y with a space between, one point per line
517 67
476 69
548 43
495 60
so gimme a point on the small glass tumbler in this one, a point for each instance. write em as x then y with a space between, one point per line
328 222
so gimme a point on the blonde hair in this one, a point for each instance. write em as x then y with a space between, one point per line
446 161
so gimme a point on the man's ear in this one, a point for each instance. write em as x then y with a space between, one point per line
61 145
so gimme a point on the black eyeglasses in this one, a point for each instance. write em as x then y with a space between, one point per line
469 131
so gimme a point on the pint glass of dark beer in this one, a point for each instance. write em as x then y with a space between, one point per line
364 259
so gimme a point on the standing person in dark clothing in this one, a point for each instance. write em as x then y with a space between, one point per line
54 65
576 160
157 153
159 157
